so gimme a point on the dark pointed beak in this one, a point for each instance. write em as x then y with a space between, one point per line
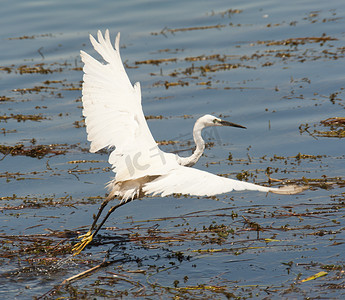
226 123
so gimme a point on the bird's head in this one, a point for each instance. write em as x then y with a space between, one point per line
209 120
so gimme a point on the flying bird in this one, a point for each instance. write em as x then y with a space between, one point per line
114 119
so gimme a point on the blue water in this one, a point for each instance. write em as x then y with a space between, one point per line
269 94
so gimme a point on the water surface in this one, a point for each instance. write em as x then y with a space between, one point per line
276 67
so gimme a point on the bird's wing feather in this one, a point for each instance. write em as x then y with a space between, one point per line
192 181
114 118
112 106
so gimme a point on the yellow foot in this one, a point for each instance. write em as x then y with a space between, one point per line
86 239
85 235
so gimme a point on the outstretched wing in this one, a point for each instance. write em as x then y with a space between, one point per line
112 107
195 182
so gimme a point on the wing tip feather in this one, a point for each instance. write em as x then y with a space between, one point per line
99 35
291 189
93 41
117 42
107 34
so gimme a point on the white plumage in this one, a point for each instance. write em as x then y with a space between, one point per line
115 119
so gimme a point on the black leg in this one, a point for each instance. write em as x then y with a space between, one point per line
108 214
87 238
103 205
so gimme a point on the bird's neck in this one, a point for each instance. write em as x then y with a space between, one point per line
200 146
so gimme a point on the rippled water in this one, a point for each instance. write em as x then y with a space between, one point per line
276 67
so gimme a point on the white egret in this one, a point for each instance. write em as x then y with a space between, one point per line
114 118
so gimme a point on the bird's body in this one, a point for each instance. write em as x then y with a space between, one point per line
114 119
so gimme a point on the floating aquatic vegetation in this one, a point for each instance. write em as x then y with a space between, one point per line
4 131
168 30
38 151
20 117
151 117
168 84
156 61
17 203
299 41
229 12
39 68
30 37
5 98
336 122
336 128
145 275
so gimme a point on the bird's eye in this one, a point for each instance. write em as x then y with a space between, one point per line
215 121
